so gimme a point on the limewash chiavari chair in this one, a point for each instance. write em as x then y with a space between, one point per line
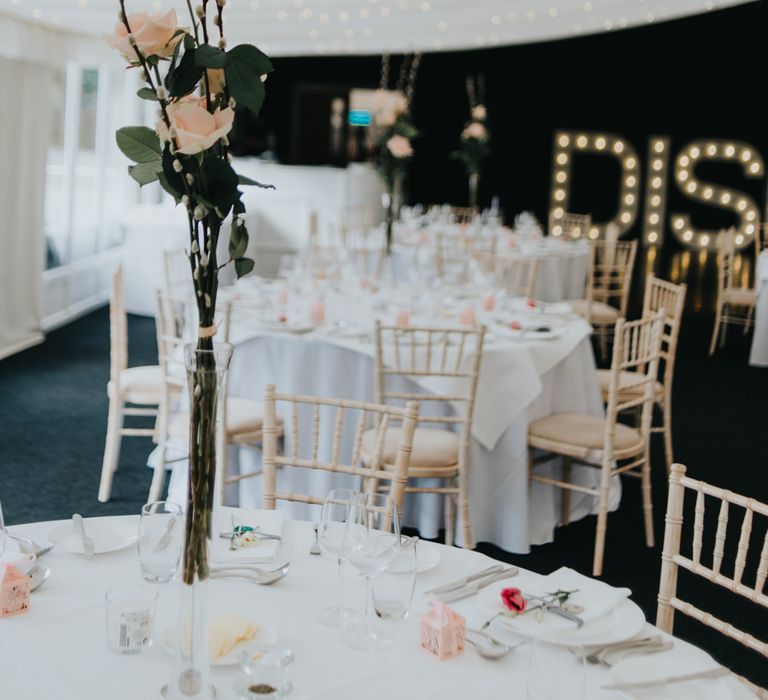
605 443
669 298
746 580
609 280
139 386
454 253
360 415
735 304
514 274
570 225
240 420
446 354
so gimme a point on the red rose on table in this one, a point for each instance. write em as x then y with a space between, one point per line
515 326
513 599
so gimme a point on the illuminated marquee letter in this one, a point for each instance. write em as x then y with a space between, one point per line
739 203
569 142
656 190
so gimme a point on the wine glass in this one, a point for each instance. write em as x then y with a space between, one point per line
371 543
331 530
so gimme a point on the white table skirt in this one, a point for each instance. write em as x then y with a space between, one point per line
58 648
758 356
504 509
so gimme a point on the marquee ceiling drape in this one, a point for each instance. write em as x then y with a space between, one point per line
306 27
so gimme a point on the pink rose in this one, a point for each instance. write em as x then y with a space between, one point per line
153 35
474 131
196 128
513 600
400 147
479 112
489 301
403 318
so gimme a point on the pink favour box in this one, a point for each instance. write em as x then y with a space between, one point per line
443 632
14 592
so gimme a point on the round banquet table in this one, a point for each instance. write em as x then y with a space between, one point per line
758 356
520 381
58 648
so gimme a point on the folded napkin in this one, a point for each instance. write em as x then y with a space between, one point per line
261 551
597 599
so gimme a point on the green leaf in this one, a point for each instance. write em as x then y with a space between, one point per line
144 173
243 266
221 183
184 78
243 180
208 56
138 143
168 188
174 180
243 72
146 93
238 240
189 42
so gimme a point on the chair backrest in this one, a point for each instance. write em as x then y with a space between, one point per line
517 275
609 278
177 277
729 268
636 348
449 355
570 225
669 298
454 253
359 415
118 328
747 576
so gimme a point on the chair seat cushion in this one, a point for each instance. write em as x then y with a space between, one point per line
599 311
141 384
243 416
582 431
628 383
740 297
432 448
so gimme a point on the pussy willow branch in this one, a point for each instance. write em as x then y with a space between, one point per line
194 20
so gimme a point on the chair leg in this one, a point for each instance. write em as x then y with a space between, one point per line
450 516
602 519
647 502
749 320
466 526
603 344
667 411
723 331
565 494
111 448
715 330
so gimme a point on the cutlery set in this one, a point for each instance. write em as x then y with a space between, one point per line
469 585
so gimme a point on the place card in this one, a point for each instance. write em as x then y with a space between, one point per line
14 592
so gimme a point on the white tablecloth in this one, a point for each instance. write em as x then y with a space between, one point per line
758 356
520 382
58 648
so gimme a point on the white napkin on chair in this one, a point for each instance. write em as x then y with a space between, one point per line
263 551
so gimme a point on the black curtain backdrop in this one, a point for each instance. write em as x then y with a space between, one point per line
699 77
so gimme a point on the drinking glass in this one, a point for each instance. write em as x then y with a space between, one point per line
568 682
371 543
393 588
331 529
161 536
130 619
2 531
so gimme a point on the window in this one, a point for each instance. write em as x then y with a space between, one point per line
87 188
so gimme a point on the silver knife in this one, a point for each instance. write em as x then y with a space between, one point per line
465 581
473 588
640 685
88 547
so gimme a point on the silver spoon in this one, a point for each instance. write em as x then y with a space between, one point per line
257 576
488 647
37 577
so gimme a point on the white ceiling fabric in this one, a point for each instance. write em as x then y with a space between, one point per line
310 27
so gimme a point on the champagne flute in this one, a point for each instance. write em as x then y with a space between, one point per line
331 529
371 543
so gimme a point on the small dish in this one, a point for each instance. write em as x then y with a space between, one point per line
108 534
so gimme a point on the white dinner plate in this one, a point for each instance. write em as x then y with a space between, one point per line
427 558
679 661
625 621
108 534
265 635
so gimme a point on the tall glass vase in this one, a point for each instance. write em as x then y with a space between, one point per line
474 182
206 365
392 200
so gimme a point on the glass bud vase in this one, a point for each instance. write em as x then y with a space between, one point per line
206 375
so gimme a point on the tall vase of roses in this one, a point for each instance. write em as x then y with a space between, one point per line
474 145
195 82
